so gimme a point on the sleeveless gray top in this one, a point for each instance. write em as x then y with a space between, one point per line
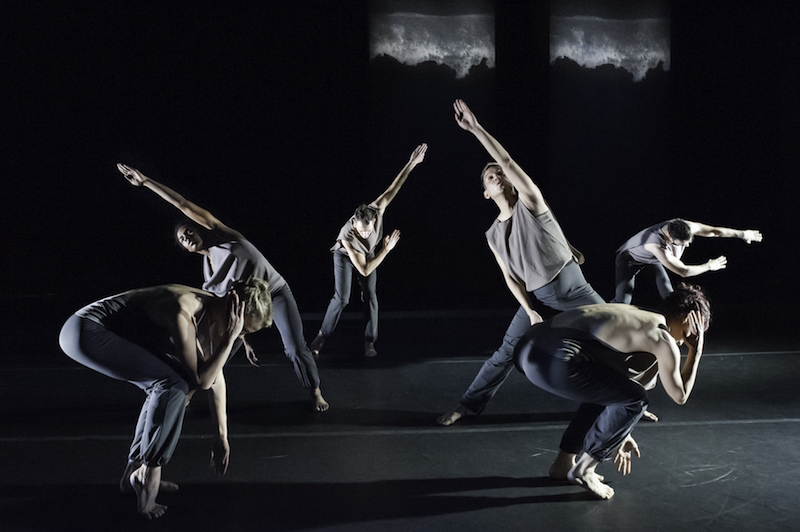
236 259
366 246
652 235
533 248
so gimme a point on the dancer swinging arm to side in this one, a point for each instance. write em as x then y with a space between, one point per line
356 253
606 357
533 254
661 246
169 341
228 256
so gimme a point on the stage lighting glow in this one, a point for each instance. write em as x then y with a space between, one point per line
635 45
458 41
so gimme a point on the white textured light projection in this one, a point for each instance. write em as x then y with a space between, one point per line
458 41
635 45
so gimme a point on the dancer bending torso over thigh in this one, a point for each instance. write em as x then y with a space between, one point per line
169 341
606 357
661 246
228 256
533 254
355 253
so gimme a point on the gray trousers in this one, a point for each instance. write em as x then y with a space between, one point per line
625 270
161 418
343 273
287 319
568 363
568 290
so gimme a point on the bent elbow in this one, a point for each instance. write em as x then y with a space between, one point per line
682 399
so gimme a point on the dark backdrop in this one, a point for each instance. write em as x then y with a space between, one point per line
276 120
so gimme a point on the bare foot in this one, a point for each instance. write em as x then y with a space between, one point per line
165 486
650 416
320 404
563 464
452 416
145 482
583 475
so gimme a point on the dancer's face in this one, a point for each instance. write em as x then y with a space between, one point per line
495 182
189 239
364 229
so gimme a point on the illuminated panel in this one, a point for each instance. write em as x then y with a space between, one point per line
634 44
459 40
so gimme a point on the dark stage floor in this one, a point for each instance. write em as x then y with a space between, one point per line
727 460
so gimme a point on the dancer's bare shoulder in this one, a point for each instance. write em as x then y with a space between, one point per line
626 328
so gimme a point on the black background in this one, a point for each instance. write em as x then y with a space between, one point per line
277 121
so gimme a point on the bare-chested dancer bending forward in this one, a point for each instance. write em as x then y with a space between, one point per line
606 357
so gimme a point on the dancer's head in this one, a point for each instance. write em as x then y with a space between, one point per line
494 181
680 232
364 220
191 236
677 306
254 293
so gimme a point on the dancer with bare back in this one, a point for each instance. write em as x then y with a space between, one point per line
607 357
169 341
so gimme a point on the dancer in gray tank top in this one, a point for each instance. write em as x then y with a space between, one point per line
661 247
533 254
356 254
227 257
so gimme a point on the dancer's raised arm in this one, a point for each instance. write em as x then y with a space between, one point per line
191 210
528 192
383 201
748 235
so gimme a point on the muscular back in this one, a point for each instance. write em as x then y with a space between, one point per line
626 328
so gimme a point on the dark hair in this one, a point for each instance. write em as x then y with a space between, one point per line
365 214
686 298
194 226
679 230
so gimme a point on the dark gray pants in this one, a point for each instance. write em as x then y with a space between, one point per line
343 273
568 290
625 270
287 319
567 363
161 418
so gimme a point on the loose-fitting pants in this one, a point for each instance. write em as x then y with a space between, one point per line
567 363
161 418
568 290
343 273
625 271
287 319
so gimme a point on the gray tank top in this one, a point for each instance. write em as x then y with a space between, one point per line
652 235
237 259
365 246
533 248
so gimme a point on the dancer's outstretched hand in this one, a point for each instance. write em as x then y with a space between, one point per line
465 118
390 241
419 154
624 457
220 455
134 176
